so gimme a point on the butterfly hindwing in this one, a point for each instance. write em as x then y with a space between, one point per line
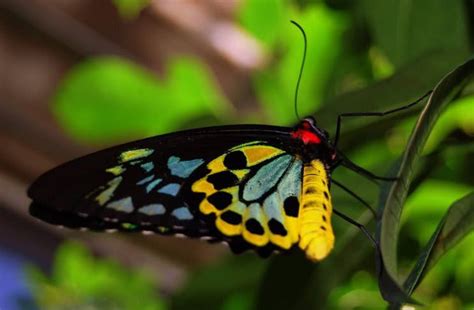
247 190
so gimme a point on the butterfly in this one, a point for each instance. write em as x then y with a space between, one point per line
252 186
259 187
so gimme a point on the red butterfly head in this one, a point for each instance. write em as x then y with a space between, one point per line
311 135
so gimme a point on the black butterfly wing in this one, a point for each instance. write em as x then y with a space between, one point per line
146 184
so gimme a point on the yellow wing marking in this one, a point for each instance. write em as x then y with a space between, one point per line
117 170
134 154
202 186
258 153
254 154
229 229
285 242
292 225
254 211
314 220
107 194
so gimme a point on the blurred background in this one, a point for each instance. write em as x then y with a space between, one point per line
80 75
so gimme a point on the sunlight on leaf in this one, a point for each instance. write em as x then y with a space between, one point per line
428 203
381 66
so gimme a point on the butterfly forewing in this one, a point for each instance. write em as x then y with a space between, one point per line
158 184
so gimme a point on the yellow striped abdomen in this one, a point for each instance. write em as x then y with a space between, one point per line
314 219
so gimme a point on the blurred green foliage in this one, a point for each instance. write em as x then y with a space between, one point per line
81 281
362 56
228 284
130 8
106 99
408 30
275 86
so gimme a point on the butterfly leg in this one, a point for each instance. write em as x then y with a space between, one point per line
357 197
340 116
386 282
346 162
358 225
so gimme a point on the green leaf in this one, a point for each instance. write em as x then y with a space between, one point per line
130 8
408 29
407 84
394 196
110 99
455 225
457 118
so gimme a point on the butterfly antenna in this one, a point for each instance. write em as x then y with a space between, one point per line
301 68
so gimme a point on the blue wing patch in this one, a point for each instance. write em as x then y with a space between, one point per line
266 177
153 209
170 189
182 213
122 205
183 168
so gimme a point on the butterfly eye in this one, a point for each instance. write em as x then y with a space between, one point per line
308 123
311 120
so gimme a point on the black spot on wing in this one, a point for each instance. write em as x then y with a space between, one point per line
277 228
220 200
231 217
253 226
291 206
235 160
223 179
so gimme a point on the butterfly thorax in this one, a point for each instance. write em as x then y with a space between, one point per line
314 143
